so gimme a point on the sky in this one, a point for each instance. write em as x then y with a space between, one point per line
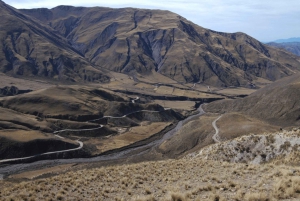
265 20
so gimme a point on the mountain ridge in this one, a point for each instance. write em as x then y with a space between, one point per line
294 39
32 49
143 41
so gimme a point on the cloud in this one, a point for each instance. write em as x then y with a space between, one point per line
265 20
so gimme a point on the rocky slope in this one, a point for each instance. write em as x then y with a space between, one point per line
293 47
254 149
138 40
30 49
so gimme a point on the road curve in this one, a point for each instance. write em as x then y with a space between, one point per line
48 153
130 152
137 98
216 136
55 152
74 130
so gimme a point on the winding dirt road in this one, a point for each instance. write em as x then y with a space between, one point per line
74 130
48 153
216 136
131 151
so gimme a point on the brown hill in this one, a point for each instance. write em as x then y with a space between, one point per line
76 112
138 40
24 135
74 103
277 103
30 49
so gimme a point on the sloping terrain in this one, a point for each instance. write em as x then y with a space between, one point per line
136 40
255 149
30 49
74 103
199 132
293 47
24 135
185 179
102 119
277 103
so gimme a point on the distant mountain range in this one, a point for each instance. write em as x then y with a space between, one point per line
291 44
293 47
84 44
289 40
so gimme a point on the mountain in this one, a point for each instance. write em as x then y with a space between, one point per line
293 47
139 40
278 103
289 40
81 44
30 49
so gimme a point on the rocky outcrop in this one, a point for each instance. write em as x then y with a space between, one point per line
253 149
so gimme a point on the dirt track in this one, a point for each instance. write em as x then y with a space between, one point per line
216 136
130 151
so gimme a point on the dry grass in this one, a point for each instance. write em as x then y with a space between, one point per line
24 136
233 125
36 173
134 134
22 84
183 105
236 91
173 180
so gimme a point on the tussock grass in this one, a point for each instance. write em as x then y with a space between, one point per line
185 179
170 180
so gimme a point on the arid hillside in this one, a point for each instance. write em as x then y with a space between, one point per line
30 49
141 41
191 178
99 118
277 103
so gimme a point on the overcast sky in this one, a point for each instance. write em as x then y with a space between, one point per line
265 20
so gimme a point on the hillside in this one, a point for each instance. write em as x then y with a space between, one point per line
102 119
186 179
277 103
142 41
30 49
293 47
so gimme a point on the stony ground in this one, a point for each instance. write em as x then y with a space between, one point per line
254 149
